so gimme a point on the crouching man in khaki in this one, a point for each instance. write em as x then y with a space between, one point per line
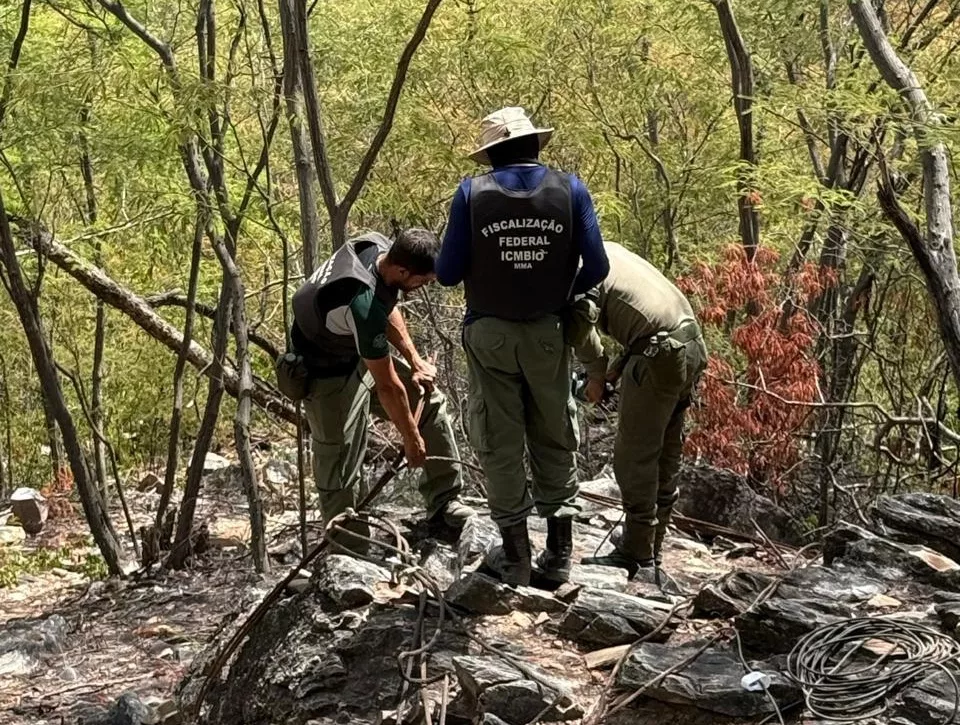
345 321
663 357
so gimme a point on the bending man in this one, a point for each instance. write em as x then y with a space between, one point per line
663 357
345 320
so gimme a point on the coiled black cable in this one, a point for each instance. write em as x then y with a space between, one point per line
843 680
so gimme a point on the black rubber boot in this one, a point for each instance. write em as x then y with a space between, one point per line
512 559
554 561
663 520
633 550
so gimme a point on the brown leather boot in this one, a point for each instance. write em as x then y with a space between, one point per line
512 560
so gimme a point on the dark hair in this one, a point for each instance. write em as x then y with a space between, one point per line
415 250
514 150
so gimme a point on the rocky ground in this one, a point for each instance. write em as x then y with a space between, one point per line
350 641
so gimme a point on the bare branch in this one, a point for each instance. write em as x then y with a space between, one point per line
399 79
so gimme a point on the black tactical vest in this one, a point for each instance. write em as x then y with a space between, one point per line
333 285
522 255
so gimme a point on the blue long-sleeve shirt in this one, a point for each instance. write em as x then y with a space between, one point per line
454 259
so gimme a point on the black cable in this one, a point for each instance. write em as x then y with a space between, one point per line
843 680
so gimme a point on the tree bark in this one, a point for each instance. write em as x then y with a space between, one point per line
182 548
302 154
933 249
93 507
742 82
5 389
176 415
99 333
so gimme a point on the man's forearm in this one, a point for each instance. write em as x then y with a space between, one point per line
399 336
397 405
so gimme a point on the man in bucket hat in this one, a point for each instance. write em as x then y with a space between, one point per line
515 238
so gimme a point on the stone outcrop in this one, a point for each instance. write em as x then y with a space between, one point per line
331 651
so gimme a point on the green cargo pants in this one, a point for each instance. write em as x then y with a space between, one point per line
654 396
520 399
338 410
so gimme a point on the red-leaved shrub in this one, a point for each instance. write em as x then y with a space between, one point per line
754 399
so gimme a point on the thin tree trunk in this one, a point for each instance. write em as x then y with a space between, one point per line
302 154
933 250
241 420
10 476
667 214
5 483
297 10
840 387
338 211
182 548
176 416
99 334
741 74
93 507
53 435
98 434
226 251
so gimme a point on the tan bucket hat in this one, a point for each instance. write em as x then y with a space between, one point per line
503 125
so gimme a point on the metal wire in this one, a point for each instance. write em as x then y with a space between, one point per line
844 680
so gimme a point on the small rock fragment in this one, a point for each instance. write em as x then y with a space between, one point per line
213 462
882 601
150 483
348 581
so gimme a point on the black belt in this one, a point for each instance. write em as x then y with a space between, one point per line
685 332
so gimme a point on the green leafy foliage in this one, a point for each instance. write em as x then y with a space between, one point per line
639 94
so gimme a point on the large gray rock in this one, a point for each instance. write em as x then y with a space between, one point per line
598 577
731 595
949 614
441 562
30 508
490 685
897 562
214 462
606 618
838 584
923 518
25 644
349 582
775 625
479 535
480 594
724 498
711 682
929 702
300 664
